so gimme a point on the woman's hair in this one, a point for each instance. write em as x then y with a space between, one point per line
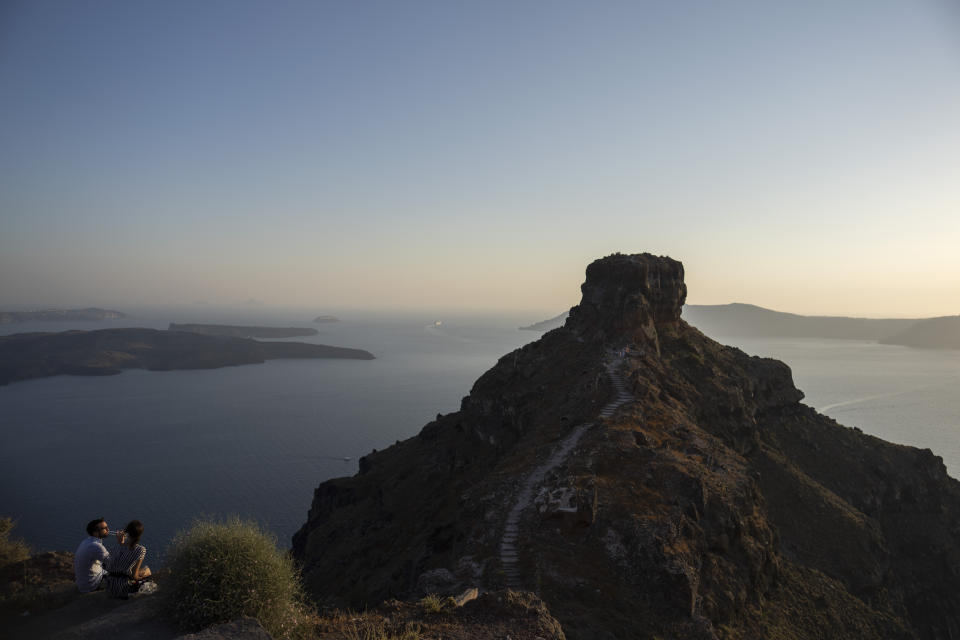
134 531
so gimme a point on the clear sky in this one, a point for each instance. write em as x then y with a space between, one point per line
803 156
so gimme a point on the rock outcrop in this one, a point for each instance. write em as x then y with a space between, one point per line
712 504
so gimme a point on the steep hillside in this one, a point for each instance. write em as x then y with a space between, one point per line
646 481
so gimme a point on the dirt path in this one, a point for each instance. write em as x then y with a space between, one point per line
530 484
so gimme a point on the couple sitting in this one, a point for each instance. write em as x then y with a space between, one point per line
121 572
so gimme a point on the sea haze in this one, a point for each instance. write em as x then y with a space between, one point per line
255 440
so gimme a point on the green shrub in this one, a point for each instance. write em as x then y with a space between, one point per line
11 550
220 571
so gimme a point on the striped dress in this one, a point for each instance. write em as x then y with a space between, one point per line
120 564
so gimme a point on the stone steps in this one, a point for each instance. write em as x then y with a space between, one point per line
509 554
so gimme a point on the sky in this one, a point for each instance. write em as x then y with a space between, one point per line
801 156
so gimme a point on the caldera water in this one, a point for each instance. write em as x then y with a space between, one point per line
255 440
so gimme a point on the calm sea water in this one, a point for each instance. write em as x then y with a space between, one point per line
167 447
255 440
904 395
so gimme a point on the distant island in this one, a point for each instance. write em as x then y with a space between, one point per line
750 321
747 320
547 325
90 314
326 319
235 331
933 333
108 351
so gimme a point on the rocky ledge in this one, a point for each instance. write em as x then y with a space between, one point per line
646 481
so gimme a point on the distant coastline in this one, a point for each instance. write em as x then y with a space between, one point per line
326 319
60 315
750 321
237 331
932 333
24 356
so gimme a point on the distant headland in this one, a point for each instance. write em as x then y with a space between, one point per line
60 315
236 331
108 351
326 319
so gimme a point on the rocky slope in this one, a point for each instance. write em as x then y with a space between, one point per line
699 497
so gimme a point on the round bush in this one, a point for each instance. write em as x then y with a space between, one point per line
220 571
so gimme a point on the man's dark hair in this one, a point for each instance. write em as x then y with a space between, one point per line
93 525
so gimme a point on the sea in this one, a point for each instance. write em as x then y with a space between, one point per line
254 441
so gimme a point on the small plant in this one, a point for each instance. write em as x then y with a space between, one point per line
434 604
220 571
11 550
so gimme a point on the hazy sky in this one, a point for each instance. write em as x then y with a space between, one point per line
803 156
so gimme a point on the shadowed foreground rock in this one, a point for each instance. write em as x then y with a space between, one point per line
712 504
52 608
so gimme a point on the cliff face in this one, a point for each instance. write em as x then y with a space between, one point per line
647 481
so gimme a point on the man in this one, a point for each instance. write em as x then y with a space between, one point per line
90 556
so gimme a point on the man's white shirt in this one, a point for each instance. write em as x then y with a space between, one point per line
88 564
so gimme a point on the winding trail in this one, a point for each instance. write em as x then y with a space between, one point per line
508 543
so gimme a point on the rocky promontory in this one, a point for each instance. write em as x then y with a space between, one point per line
108 351
646 481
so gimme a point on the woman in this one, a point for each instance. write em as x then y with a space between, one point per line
125 566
